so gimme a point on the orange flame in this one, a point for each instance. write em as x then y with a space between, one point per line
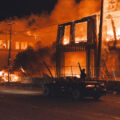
13 77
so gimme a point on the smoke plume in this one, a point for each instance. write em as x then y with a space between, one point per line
43 29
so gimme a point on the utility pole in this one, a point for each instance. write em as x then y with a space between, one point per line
100 40
9 54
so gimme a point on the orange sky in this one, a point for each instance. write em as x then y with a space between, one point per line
43 27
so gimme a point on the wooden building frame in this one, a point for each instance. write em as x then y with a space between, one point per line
91 44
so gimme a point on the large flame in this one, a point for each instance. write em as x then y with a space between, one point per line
13 77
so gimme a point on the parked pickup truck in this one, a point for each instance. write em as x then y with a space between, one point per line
75 88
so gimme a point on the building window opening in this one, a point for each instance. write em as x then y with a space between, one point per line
24 45
66 39
3 44
17 46
81 32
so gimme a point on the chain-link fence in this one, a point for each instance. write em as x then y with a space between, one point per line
7 74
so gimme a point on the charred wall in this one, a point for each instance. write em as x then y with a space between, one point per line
89 46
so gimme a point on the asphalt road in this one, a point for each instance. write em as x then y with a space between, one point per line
21 104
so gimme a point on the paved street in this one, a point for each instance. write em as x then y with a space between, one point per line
32 105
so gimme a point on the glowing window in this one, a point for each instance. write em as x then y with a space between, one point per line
67 35
24 45
81 32
3 44
17 46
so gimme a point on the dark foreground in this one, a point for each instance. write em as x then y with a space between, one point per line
31 105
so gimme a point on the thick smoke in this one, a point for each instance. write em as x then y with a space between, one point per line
43 29
32 61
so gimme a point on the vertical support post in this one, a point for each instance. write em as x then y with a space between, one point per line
89 41
58 35
60 59
72 33
9 55
88 61
100 41
59 50
95 44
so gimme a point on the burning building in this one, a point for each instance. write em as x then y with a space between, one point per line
74 47
77 38
111 39
79 45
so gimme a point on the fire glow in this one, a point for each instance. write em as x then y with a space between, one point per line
43 29
4 77
110 35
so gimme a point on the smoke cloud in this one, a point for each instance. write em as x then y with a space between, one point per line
43 28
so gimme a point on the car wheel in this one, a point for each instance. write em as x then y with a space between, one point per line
96 97
46 91
76 94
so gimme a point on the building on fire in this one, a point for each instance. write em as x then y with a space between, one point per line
77 41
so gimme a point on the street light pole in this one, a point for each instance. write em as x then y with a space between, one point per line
9 55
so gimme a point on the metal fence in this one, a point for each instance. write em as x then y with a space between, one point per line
20 75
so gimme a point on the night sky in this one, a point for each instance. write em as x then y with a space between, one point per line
20 8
